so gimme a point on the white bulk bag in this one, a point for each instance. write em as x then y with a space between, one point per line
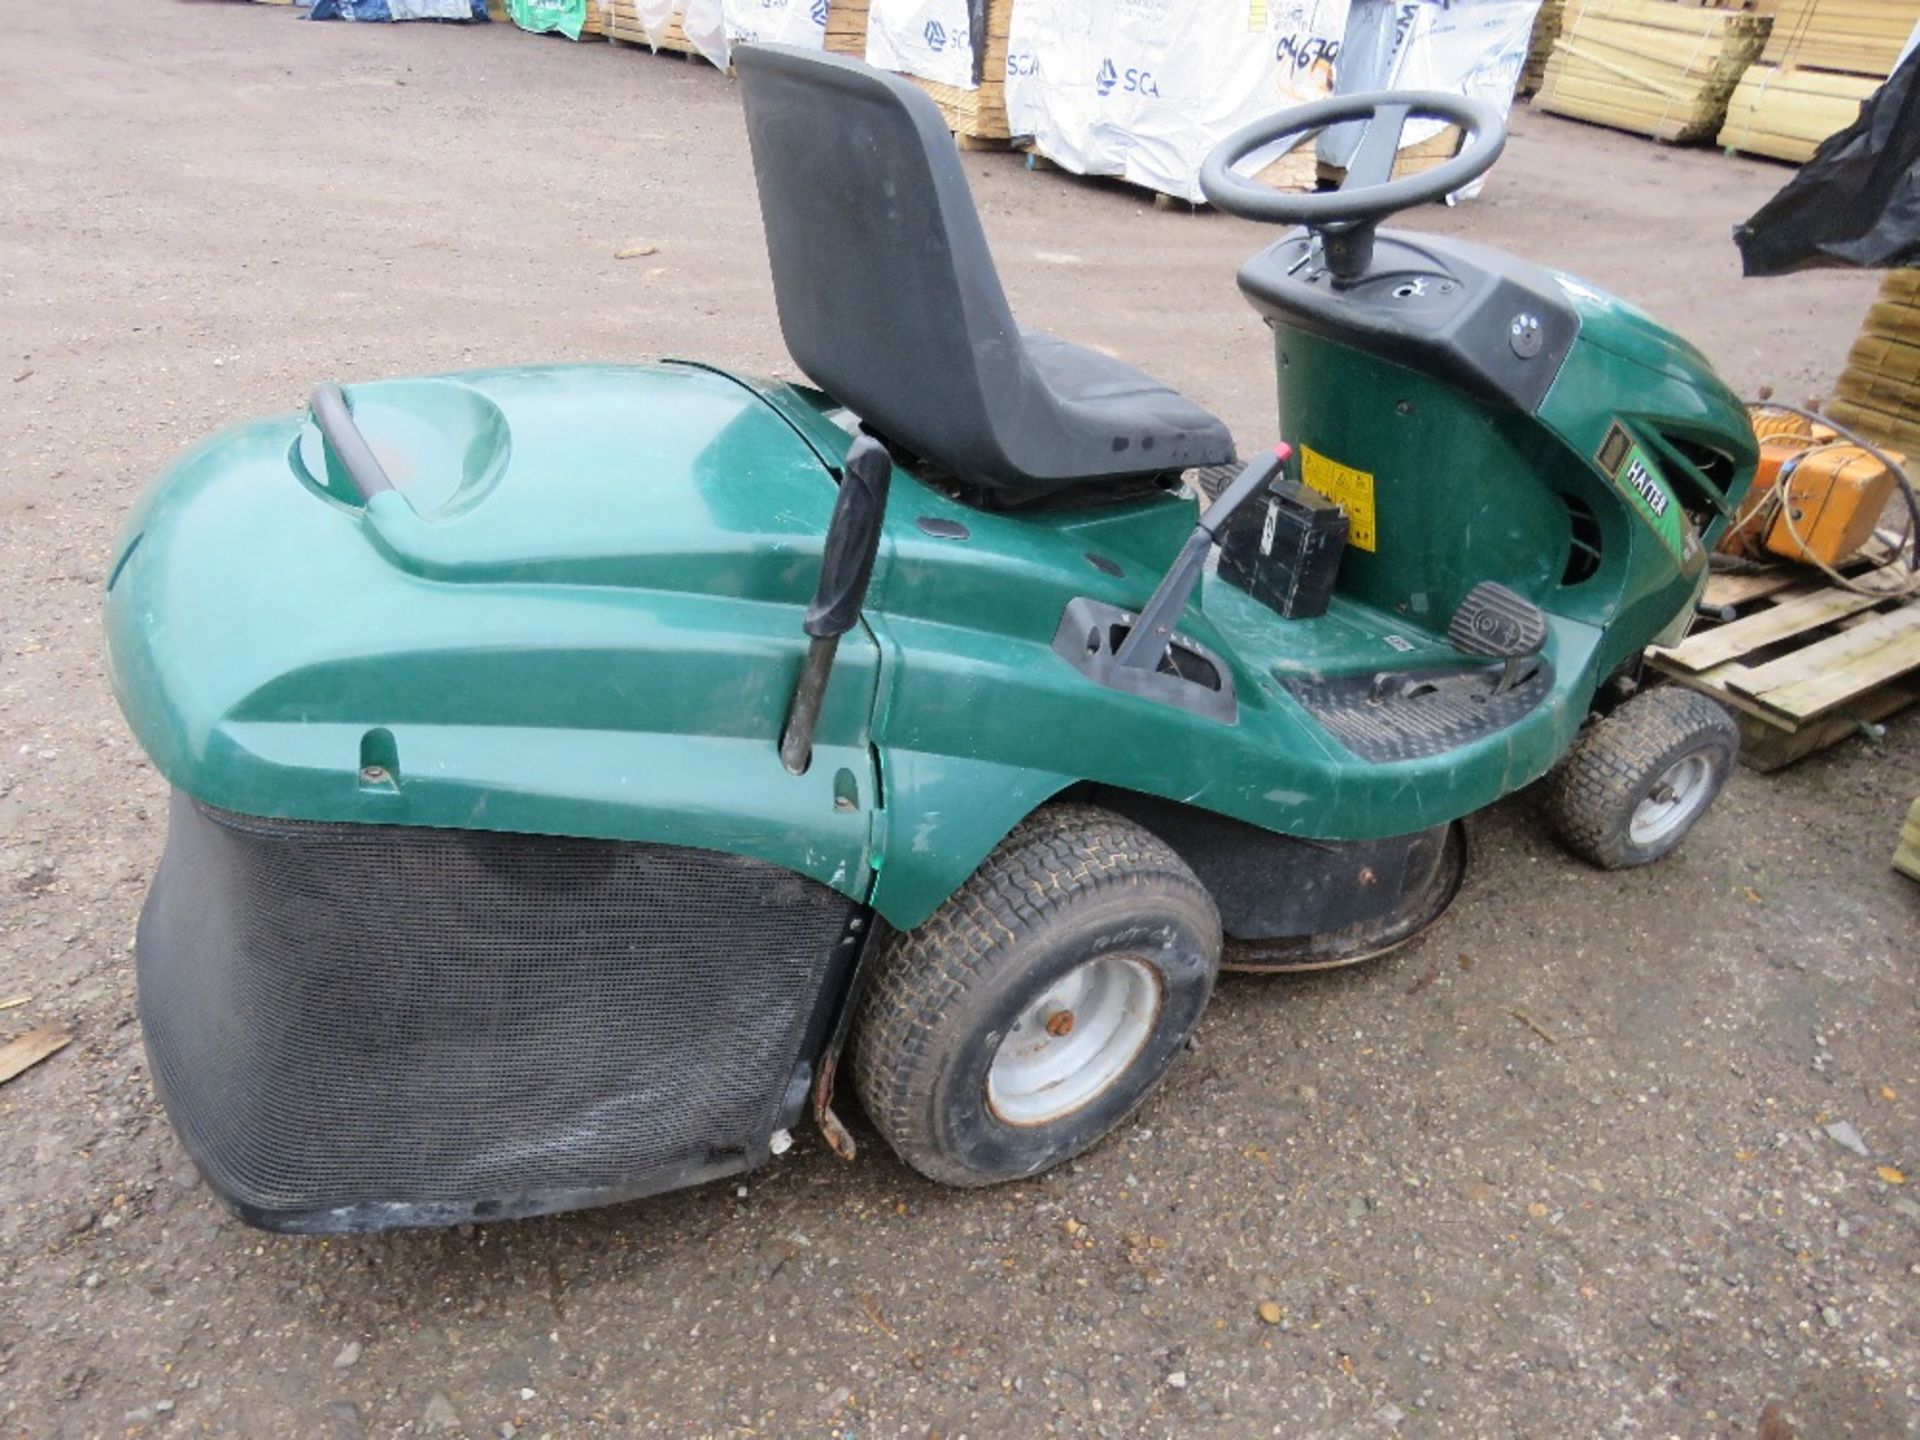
929 38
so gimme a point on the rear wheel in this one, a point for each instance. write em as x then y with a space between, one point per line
1039 1006
1637 780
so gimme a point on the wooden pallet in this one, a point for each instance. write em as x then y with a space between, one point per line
1803 665
1298 172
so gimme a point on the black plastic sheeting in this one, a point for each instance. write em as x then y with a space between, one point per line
1857 201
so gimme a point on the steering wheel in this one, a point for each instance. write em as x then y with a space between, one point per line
1369 193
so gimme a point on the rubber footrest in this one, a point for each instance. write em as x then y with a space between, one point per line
1418 714
1493 620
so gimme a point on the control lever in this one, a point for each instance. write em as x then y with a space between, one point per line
1146 643
846 567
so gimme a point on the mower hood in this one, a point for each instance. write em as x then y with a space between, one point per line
577 611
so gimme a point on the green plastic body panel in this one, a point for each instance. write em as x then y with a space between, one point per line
597 640
580 614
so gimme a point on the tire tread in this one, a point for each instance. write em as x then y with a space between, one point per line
1596 786
1058 857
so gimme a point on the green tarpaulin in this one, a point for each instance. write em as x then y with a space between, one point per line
566 16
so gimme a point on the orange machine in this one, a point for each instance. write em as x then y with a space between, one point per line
1812 485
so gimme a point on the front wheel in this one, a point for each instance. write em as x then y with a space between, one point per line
1038 1007
1637 781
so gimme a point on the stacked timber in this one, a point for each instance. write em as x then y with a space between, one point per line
1785 112
979 116
622 22
1413 159
1822 59
1656 67
847 28
1546 30
1863 37
1878 393
1906 858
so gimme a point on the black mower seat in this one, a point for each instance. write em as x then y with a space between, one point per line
889 301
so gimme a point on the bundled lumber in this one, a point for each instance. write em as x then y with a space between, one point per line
1863 37
1786 112
1906 858
1546 30
621 21
1656 67
1413 159
847 28
1823 58
1878 393
980 114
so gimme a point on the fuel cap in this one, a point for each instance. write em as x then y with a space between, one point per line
1524 334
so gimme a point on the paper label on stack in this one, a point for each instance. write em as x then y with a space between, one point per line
929 38
1143 89
777 22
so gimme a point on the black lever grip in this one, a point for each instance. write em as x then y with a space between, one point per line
343 439
853 539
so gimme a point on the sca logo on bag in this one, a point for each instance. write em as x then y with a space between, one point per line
936 34
1022 62
1130 81
819 12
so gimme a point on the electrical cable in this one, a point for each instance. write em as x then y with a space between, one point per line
1778 504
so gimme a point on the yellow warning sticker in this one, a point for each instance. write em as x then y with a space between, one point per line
1350 489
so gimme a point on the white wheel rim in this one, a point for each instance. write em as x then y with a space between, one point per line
1066 1048
1676 800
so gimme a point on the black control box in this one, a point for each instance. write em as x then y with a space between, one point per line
1283 548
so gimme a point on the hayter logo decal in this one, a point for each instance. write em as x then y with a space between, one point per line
1131 82
1648 487
1638 478
936 34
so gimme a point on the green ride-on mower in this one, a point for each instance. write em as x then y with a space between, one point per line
570 763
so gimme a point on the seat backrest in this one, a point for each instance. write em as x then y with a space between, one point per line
887 293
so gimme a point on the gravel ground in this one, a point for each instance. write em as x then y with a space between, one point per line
1559 1168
